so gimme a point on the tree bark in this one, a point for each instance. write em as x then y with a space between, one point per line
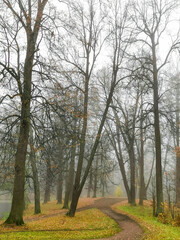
37 208
159 185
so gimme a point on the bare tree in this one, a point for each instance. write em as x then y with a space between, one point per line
29 17
150 21
177 141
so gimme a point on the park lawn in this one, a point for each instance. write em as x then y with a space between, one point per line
46 209
52 207
154 230
86 224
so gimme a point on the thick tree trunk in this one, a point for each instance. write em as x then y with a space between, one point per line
75 198
16 214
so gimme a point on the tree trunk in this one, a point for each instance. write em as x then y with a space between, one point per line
154 205
120 157
16 213
37 208
159 185
59 188
142 190
103 189
67 186
78 186
47 194
177 142
75 198
95 179
132 177
70 179
103 179
89 184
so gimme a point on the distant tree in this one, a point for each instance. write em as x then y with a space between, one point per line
150 22
177 140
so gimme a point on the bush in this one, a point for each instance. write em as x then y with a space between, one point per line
164 218
176 221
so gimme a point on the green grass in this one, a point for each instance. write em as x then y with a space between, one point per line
154 230
64 235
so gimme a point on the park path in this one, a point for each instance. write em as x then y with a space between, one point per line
130 229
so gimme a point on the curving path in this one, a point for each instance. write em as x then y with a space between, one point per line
130 229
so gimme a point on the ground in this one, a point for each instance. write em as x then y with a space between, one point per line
52 224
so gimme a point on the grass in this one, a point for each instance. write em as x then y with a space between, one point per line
53 208
46 209
154 230
88 224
